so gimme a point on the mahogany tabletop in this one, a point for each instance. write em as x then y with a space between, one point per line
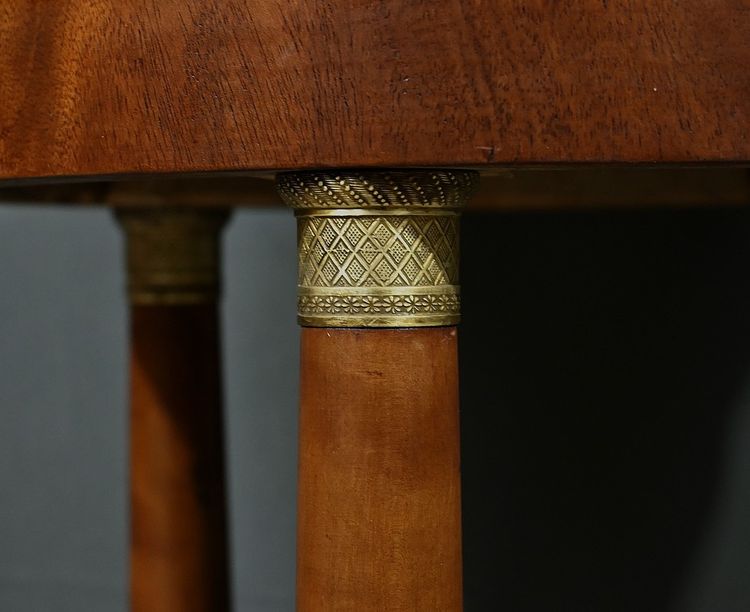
129 87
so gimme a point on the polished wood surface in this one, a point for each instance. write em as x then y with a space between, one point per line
133 86
178 525
379 485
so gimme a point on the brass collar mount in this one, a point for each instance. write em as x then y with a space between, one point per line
173 255
378 248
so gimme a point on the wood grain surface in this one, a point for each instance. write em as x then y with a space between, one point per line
178 525
133 86
379 486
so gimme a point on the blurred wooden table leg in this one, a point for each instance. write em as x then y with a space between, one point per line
177 481
379 519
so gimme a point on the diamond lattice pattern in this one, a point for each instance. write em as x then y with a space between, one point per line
378 251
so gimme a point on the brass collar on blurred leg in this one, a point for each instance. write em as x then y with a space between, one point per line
173 255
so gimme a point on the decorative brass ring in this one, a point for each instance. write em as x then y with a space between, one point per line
172 255
378 248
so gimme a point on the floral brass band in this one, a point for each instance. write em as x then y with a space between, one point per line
172 255
378 248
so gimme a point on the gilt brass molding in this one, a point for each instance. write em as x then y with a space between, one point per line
173 255
378 248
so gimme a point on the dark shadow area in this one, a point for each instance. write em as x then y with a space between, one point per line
600 357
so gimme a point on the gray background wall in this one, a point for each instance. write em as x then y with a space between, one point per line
605 411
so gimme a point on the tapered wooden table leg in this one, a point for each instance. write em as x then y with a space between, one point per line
379 520
178 510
